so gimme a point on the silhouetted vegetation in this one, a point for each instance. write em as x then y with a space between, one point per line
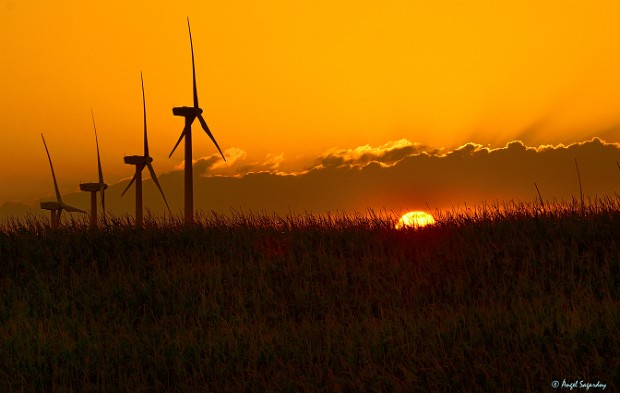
498 298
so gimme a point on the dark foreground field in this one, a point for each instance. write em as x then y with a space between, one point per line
488 300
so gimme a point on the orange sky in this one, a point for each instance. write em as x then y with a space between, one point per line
296 79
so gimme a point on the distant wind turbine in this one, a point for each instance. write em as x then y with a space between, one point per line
93 188
140 162
57 207
190 114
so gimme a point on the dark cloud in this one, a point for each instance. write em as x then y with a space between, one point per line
203 164
236 164
387 154
396 176
470 174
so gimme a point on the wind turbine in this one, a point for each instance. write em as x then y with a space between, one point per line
140 162
57 207
190 113
93 188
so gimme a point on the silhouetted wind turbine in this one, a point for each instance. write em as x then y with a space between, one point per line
57 207
190 114
140 162
93 188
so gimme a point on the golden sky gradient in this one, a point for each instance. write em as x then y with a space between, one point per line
287 81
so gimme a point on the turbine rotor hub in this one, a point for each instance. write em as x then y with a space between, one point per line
186 111
92 187
136 160
50 206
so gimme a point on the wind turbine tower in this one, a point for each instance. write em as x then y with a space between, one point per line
190 113
140 162
93 188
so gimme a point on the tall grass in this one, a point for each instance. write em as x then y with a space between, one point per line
505 298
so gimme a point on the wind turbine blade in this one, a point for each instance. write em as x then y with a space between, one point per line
58 198
146 138
179 141
133 179
98 156
191 45
58 214
72 209
205 127
154 177
101 181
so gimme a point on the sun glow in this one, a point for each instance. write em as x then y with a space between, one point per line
415 219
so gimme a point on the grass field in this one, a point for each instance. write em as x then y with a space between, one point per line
498 298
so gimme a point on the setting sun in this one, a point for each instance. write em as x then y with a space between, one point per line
415 219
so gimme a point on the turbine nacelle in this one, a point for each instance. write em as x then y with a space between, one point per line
92 187
59 206
50 206
187 111
137 160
